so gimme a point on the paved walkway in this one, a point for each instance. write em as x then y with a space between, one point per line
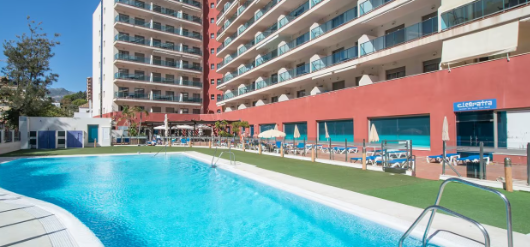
24 223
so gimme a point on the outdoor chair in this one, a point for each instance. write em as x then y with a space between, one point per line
438 158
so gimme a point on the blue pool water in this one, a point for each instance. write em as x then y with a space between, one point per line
141 200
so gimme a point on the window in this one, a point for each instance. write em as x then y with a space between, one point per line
274 99
395 73
337 55
218 111
265 127
212 66
212 97
274 78
254 103
212 5
156 109
337 85
301 69
338 130
196 111
212 81
212 36
212 20
185 110
358 80
431 65
219 97
219 81
212 51
289 130
300 94
417 129
170 110
395 35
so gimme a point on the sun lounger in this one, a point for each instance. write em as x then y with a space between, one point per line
369 159
342 150
438 158
472 158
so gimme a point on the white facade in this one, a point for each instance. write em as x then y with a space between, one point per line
152 56
56 124
300 48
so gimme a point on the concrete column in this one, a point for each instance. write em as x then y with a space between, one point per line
151 77
151 95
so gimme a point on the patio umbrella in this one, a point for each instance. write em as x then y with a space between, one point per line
161 127
445 130
271 134
166 127
183 127
276 127
373 137
296 132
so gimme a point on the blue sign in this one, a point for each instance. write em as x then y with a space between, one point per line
475 105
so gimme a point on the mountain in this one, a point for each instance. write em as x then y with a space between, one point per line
58 93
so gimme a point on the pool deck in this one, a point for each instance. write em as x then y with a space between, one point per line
392 214
29 222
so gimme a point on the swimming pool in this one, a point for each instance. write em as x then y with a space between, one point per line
175 200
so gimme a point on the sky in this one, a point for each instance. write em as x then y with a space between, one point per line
72 19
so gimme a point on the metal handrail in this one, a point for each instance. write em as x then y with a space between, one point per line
165 150
232 158
439 197
433 208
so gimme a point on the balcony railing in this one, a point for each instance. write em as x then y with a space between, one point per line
302 39
126 57
155 97
166 46
246 68
156 79
191 2
409 33
267 57
239 11
266 82
163 28
176 14
370 5
225 8
334 23
159 9
338 57
293 73
476 10
191 67
132 77
294 14
228 95
191 83
272 29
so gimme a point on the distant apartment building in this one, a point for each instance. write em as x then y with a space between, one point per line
89 88
399 65
151 56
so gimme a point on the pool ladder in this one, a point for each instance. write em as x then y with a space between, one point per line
436 207
232 158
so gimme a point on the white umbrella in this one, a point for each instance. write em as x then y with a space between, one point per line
373 137
271 134
296 132
183 127
203 127
161 127
276 127
166 126
445 130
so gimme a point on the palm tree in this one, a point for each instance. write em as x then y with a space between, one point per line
129 115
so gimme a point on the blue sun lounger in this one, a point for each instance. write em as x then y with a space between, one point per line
471 158
343 149
438 158
369 159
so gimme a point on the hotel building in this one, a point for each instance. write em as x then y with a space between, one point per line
400 65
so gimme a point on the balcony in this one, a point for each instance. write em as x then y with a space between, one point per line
191 2
130 58
398 37
226 7
155 97
334 23
159 80
160 10
163 28
476 10
336 58
229 21
370 5
157 62
154 44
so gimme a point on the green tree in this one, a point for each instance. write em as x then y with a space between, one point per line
29 73
79 102
236 126
129 115
220 126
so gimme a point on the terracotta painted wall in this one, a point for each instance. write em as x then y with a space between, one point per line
209 106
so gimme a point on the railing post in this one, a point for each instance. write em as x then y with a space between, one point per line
364 154
444 157
329 148
528 164
481 161
508 175
305 153
346 150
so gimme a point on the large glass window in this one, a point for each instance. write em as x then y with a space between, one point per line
265 127
417 129
289 130
339 130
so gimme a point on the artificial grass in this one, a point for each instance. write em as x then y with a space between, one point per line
477 204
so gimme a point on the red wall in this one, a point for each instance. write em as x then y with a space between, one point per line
209 106
427 94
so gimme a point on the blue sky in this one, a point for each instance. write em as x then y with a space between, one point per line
70 18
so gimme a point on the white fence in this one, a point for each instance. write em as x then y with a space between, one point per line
9 141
